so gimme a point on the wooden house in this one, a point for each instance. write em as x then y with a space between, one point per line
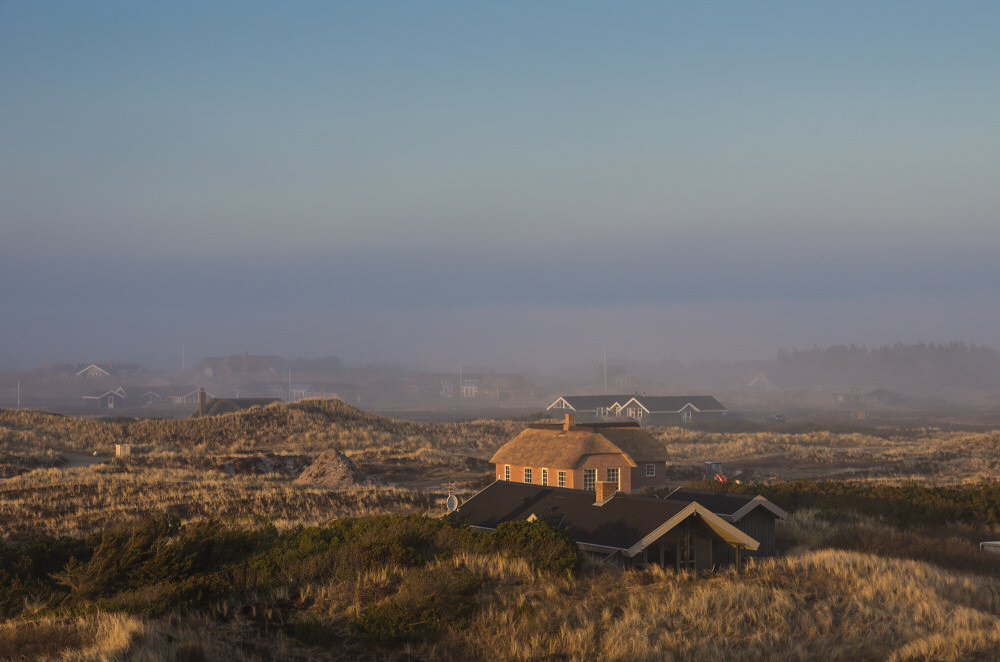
628 529
116 399
750 513
649 410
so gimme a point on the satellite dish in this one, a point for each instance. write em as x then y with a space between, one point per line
452 502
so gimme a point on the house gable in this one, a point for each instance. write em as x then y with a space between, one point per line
624 524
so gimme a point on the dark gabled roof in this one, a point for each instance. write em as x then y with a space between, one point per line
592 402
554 447
84 367
626 523
654 404
670 404
732 506
95 395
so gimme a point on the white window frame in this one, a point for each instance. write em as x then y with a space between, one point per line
561 479
590 478
650 470
545 477
617 473
527 475
506 472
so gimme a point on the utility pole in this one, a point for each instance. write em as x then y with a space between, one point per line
605 371
19 394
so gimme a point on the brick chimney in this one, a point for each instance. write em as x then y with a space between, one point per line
568 425
605 490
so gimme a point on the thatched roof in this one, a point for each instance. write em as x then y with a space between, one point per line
554 446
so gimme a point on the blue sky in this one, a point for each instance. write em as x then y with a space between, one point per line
520 184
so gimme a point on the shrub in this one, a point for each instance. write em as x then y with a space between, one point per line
428 600
541 545
313 632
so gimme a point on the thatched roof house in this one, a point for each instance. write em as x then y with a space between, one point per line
578 456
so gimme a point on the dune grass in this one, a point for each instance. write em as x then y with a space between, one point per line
857 581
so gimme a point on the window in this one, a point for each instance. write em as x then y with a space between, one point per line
111 402
545 476
650 470
527 474
506 472
686 415
561 478
613 476
590 479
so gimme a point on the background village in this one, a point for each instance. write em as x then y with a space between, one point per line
902 384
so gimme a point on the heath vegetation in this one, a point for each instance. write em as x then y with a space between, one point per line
180 552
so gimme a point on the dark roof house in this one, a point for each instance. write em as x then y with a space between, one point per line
653 410
109 399
632 529
752 514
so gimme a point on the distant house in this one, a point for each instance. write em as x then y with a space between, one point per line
878 395
147 395
650 410
470 387
760 381
111 369
578 456
91 370
187 399
116 399
240 364
751 514
628 529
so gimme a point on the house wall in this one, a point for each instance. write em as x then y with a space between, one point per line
633 479
675 418
759 525
672 543
517 475
639 481
602 463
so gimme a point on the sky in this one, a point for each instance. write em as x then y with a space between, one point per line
519 184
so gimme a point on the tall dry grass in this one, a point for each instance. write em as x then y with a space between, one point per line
824 605
81 501
926 456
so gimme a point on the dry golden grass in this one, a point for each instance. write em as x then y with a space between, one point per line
80 501
824 605
926 456
815 603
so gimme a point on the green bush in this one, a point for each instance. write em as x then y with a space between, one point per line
541 545
313 632
428 601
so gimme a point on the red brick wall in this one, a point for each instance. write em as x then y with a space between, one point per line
632 478
602 463
517 475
